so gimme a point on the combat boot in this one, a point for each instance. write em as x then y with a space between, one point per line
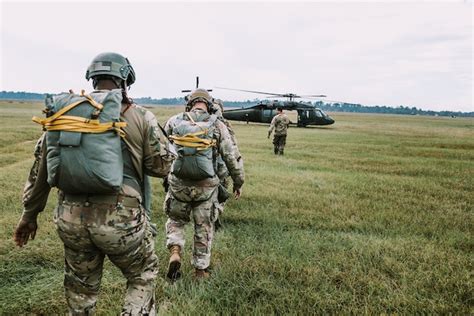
175 263
201 274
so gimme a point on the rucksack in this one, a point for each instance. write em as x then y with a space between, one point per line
193 136
84 154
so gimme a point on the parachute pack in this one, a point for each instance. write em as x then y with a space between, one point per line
194 141
84 133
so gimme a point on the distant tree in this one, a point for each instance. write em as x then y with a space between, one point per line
21 95
401 109
325 106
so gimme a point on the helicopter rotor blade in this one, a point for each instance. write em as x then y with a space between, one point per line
314 96
282 95
251 91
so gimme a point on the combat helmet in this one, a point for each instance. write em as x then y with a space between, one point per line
199 95
111 64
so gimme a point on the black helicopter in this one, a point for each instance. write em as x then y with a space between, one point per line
263 112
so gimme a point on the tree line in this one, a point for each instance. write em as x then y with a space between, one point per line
407 110
331 107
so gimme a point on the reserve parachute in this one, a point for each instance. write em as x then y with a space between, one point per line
83 137
193 137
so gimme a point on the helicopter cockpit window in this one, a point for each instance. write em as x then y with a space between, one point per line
318 113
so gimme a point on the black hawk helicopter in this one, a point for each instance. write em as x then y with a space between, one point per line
263 112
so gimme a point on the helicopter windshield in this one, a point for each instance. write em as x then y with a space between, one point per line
320 113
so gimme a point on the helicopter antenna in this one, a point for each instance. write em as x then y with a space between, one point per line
197 87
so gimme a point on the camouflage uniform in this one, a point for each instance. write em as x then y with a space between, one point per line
280 124
94 226
222 171
188 199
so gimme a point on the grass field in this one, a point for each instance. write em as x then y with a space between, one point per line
371 215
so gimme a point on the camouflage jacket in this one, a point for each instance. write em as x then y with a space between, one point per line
222 171
280 124
145 141
227 150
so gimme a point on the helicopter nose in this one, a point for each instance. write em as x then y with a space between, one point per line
330 121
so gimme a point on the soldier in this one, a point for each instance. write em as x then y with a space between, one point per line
222 172
280 123
193 183
93 226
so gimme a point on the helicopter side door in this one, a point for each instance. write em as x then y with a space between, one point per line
267 115
305 117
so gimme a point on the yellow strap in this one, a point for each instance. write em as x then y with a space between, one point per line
193 141
59 113
189 116
95 104
61 122
43 121
75 126
204 131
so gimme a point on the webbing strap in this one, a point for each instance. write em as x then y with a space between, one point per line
61 122
193 140
74 126
189 116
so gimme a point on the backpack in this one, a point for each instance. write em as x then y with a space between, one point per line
84 154
193 136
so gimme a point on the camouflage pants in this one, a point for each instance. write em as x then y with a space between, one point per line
92 231
200 204
279 142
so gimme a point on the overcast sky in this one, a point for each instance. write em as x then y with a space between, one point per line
387 53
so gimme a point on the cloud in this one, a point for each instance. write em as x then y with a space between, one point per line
371 53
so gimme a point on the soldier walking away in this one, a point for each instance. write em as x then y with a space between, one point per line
280 123
99 213
199 138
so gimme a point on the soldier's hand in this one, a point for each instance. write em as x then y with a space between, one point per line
237 193
24 230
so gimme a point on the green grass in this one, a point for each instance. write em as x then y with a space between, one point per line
371 215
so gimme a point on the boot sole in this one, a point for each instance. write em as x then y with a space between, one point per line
173 271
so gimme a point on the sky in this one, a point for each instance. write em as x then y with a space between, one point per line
410 53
